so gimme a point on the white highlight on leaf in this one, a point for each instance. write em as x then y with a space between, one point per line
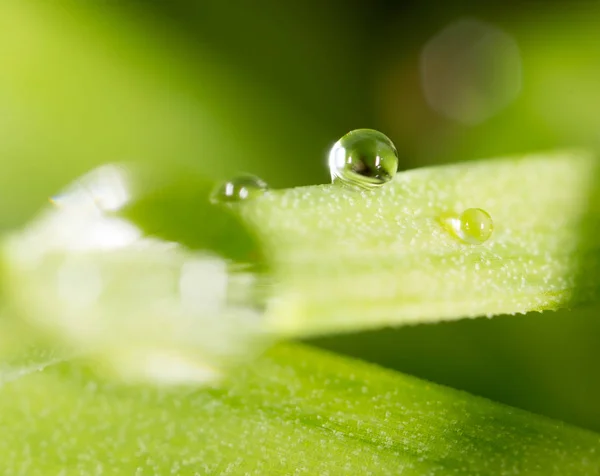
198 293
146 308
79 284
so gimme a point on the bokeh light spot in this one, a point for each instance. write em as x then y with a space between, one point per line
470 71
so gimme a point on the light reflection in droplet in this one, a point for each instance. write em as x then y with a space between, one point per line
239 189
470 71
363 159
473 226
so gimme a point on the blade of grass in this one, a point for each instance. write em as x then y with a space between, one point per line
350 260
295 411
343 260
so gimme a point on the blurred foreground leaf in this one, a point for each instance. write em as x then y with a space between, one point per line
295 411
133 265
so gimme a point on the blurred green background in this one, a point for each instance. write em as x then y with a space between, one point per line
266 87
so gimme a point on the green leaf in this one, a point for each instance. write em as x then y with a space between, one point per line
295 411
341 259
349 260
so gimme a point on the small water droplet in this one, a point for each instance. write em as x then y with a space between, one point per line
363 158
473 226
238 189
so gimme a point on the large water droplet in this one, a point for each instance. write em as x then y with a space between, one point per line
239 188
363 158
147 308
473 226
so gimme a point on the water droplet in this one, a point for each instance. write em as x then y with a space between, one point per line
474 226
239 188
363 158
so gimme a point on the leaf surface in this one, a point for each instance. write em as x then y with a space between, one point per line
294 411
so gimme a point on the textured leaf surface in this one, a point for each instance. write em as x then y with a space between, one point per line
296 411
351 260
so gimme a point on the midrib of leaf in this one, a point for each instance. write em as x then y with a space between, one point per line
347 260
294 411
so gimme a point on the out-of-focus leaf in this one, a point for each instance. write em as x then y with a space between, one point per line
133 264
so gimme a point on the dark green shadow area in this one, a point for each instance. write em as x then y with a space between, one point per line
587 282
543 362
173 204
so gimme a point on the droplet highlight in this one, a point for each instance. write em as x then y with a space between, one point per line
474 226
244 187
363 158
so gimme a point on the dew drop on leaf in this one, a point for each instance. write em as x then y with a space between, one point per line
240 188
363 158
474 226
